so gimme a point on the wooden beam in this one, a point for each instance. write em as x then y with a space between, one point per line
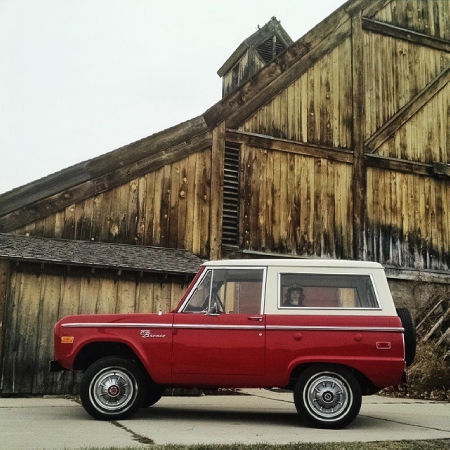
441 169
412 107
425 275
285 145
406 35
148 147
216 209
399 165
109 180
97 167
372 7
436 306
437 325
359 171
444 337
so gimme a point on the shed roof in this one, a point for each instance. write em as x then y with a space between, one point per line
99 255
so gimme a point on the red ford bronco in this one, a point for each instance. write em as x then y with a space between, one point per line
328 330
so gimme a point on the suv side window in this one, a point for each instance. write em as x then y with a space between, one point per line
230 291
326 291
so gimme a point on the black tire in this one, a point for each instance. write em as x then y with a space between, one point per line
409 335
153 394
112 388
327 396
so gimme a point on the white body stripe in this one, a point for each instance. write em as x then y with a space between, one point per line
233 327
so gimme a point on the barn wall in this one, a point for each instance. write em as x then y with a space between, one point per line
425 137
407 212
38 299
394 72
408 220
316 108
169 207
404 214
429 17
295 204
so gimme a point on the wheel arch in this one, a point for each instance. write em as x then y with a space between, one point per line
366 385
93 351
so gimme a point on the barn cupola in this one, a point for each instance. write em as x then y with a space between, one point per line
254 53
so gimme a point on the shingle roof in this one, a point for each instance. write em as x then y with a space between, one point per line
98 254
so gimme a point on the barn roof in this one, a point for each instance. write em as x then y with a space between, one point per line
98 255
38 199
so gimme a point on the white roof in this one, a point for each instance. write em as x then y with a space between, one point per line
294 262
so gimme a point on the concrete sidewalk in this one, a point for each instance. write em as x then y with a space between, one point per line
256 416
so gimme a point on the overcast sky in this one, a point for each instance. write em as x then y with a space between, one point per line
79 78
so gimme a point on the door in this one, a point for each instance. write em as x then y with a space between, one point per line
220 331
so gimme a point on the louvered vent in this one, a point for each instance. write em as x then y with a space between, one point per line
230 223
270 49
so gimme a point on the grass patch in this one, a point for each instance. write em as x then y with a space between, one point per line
381 445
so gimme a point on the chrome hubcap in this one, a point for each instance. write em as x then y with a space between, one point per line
112 389
327 396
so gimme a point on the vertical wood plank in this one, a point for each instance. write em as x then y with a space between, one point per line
151 221
331 222
196 206
22 354
4 295
261 191
89 294
106 296
182 206
142 206
205 204
284 206
145 297
190 185
126 296
158 217
50 294
359 182
174 220
276 200
132 213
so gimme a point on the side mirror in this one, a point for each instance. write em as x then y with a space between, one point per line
213 310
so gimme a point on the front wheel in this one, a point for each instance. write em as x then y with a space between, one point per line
327 396
112 388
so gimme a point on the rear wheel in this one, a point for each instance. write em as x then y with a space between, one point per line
112 388
327 396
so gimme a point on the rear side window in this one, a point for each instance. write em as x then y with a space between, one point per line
228 291
326 291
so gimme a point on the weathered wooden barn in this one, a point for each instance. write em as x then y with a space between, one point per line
333 146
